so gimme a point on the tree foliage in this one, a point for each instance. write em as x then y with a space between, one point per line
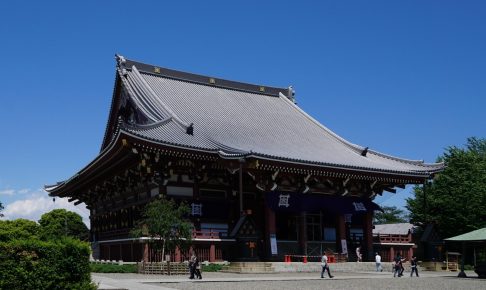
20 229
390 215
456 199
60 223
1 208
166 224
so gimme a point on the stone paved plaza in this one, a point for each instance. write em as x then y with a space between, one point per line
280 281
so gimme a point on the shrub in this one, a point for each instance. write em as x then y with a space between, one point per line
34 264
211 268
113 268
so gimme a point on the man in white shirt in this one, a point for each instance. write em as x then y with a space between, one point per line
325 266
378 263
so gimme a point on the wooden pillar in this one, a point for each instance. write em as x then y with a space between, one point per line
368 235
303 233
392 254
132 259
240 185
270 229
178 254
410 253
341 231
212 253
145 252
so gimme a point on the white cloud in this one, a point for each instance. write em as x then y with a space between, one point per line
24 191
38 203
7 192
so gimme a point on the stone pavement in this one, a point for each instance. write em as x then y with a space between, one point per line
281 281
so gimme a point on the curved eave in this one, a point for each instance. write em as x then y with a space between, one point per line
229 153
431 167
56 190
63 187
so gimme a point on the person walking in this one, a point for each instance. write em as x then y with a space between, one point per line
397 267
359 256
378 263
402 269
414 266
197 269
325 265
192 265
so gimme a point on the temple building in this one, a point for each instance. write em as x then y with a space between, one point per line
262 177
393 239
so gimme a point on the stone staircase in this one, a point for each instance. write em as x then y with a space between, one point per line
249 267
283 267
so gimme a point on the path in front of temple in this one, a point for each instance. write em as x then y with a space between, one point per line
282 281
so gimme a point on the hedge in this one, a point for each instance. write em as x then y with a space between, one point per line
212 267
34 264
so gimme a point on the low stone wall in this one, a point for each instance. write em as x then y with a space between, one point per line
338 267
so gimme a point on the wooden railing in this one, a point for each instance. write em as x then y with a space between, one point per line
389 238
164 268
209 234
201 234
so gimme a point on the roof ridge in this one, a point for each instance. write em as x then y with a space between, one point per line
149 90
132 92
202 79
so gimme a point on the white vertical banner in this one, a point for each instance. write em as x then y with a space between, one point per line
344 246
273 244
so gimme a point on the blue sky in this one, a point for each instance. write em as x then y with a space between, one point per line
406 78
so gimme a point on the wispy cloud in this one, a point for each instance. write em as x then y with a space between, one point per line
7 192
38 203
10 191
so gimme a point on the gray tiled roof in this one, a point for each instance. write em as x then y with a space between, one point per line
393 229
237 122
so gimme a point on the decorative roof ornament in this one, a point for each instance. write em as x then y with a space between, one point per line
190 129
120 63
364 152
291 94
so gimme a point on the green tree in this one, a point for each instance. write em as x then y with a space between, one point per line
1 208
19 229
60 223
166 224
390 215
456 199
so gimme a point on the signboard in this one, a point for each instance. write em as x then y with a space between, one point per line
273 244
344 246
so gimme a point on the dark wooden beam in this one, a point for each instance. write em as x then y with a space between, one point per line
389 189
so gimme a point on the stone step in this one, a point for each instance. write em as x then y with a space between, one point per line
249 267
